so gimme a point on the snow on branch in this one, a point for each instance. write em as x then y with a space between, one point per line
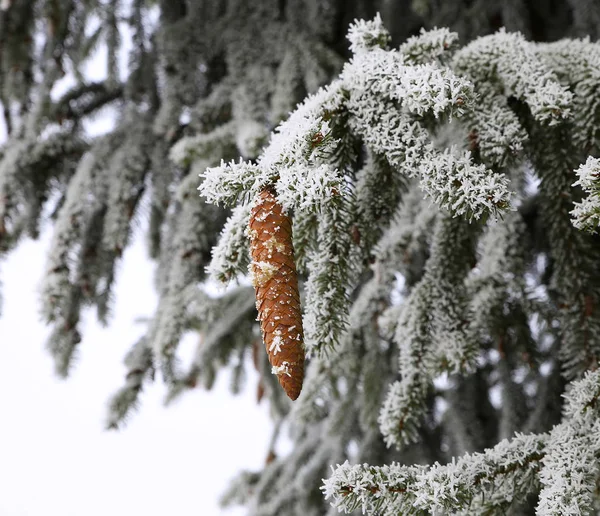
330 273
586 214
27 168
571 467
297 152
453 182
203 146
564 462
126 170
576 63
429 46
434 289
492 479
420 89
510 63
383 95
232 182
432 332
365 35
230 257
193 237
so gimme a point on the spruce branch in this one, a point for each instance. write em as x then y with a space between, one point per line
586 214
510 65
492 480
330 269
432 332
84 99
225 325
429 46
140 367
574 282
230 257
576 63
193 238
570 470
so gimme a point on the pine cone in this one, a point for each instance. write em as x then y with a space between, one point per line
277 298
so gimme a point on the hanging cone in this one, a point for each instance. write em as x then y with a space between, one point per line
277 298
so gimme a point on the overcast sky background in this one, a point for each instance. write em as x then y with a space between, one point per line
56 459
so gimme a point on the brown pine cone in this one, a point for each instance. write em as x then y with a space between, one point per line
275 280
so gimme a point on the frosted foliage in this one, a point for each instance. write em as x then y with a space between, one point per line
404 404
326 305
69 224
425 274
373 81
127 170
202 146
226 183
509 63
230 256
192 240
250 138
452 181
586 214
497 276
429 46
435 312
287 80
489 481
225 328
420 89
302 157
364 35
465 189
564 462
305 137
577 65
300 142
570 471
409 229
444 225
28 165
497 134
307 192
78 272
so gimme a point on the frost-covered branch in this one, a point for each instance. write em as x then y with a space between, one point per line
509 64
432 333
381 99
586 214
571 471
492 480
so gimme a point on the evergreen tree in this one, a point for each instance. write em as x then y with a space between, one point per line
430 206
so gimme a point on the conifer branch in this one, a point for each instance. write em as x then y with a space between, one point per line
586 214
431 315
140 367
492 479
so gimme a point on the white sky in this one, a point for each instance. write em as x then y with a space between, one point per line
56 458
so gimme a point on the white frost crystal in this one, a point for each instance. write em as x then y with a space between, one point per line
282 369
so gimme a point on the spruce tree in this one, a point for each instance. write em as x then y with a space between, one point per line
418 218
